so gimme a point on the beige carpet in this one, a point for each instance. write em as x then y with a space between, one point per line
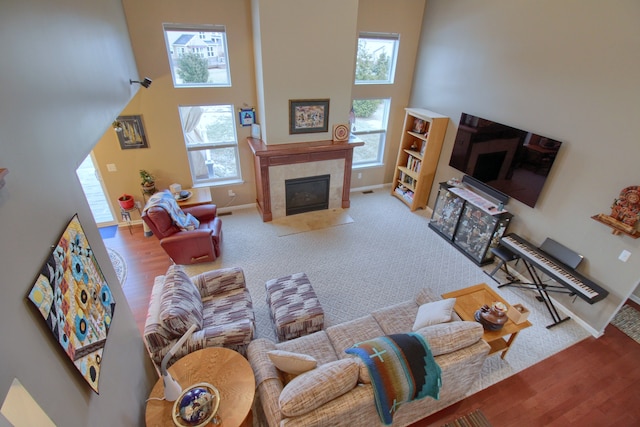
309 221
381 258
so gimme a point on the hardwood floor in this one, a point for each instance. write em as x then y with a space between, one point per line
145 260
593 383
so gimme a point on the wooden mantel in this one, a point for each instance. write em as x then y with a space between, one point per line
298 152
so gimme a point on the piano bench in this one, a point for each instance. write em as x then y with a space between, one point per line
505 256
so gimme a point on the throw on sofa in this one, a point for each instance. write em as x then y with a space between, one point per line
217 301
338 391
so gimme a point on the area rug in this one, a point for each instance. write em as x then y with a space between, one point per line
384 257
474 419
119 265
108 232
308 221
628 321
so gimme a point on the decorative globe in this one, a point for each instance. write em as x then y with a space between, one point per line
196 406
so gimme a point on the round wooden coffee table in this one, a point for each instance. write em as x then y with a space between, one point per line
225 369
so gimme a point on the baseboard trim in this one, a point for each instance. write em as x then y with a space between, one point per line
236 208
368 187
126 224
254 205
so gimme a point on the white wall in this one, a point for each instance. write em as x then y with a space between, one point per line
567 70
307 51
64 76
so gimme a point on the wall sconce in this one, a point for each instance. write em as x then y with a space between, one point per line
146 82
117 125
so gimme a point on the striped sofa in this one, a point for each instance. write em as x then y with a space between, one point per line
217 301
338 391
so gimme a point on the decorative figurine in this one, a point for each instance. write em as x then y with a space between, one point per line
625 212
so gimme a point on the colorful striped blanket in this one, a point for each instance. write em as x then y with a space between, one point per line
165 200
402 369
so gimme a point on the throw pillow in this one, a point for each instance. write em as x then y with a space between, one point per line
363 371
313 389
433 313
180 304
292 363
449 337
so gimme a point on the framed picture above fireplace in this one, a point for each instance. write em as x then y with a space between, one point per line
308 115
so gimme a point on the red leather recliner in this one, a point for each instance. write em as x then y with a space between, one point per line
187 247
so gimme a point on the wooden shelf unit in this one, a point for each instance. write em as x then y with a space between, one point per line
420 145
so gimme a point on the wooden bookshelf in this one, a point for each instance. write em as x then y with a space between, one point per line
420 145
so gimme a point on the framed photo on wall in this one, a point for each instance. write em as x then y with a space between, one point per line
132 134
308 115
247 116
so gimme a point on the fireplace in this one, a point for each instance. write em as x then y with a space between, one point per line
307 194
277 163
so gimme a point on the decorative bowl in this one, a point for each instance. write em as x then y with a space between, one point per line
183 195
492 318
196 406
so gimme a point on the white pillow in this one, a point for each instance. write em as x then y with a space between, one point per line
292 363
433 313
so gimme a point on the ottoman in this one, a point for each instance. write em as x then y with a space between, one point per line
293 306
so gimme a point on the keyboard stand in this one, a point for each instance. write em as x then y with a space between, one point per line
543 292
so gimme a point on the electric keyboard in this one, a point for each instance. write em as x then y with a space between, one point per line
578 284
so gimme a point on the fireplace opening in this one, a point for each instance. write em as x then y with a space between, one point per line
307 194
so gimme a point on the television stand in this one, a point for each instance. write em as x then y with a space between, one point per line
470 222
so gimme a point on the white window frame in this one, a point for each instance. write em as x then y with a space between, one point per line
393 57
199 182
199 30
382 135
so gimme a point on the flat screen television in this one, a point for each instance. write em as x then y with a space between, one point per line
513 161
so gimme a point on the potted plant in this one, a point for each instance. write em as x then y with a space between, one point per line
148 182
126 201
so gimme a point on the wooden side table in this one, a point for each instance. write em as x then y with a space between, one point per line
469 300
200 196
225 369
126 215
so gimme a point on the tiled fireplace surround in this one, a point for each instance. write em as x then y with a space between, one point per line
276 163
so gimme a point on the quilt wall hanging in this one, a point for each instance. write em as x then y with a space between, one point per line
75 301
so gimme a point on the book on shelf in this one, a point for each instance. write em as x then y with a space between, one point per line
413 164
408 196
403 191
423 147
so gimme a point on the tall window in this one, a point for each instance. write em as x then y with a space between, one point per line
186 47
212 143
376 59
371 117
